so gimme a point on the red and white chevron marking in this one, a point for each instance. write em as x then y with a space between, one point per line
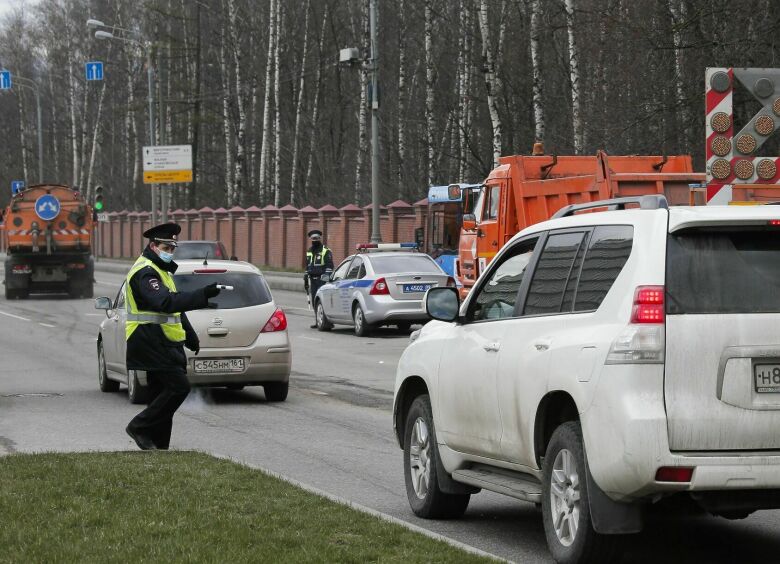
718 190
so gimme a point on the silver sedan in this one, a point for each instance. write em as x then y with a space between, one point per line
376 288
243 342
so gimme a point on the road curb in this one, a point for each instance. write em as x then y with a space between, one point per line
384 516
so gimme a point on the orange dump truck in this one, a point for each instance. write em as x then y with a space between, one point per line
48 238
527 189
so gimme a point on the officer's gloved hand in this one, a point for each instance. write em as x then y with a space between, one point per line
193 345
211 290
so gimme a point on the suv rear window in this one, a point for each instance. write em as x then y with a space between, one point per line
404 263
248 289
723 271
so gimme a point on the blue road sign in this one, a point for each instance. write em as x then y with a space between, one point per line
5 80
94 70
47 207
17 186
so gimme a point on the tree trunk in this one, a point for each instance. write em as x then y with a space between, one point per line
299 106
401 190
55 142
240 161
95 140
429 93
265 151
363 112
464 96
277 109
677 11
226 90
23 136
315 107
492 81
574 78
536 62
73 126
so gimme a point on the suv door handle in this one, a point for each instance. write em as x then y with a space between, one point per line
542 344
492 347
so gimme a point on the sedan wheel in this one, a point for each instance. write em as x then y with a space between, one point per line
106 385
136 393
323 323
362 328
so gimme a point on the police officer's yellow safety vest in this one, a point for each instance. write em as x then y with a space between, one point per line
310 257
170 323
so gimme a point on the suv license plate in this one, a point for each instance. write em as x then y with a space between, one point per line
212 365
414 288
767 378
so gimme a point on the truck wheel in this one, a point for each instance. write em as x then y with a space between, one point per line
421 459
136 393
323 323
106 384
565 503
362 327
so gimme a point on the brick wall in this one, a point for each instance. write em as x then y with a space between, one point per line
270 236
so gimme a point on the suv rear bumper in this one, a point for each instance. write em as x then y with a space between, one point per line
626 439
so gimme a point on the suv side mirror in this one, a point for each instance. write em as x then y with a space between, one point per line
469 221
442 303
103 303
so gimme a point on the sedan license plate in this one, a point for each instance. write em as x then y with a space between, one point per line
212 365
767 378
415 288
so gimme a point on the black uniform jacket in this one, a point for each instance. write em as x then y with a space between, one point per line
314 269
148 348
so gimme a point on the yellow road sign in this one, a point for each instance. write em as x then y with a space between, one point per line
167 176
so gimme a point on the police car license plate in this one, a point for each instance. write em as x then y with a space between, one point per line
212 365
767 378
414 288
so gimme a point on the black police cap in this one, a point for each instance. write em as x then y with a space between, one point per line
164 233
315 234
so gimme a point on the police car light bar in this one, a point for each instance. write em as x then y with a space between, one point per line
367 247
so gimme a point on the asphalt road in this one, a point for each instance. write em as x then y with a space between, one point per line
334 432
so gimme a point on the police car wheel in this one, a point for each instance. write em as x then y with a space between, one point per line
362 328
106 384
323 323
136 393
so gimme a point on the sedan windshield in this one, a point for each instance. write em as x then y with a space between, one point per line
248 289
404 263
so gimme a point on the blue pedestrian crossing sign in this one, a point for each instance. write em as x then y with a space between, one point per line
5 80
94 70
47 207
17 186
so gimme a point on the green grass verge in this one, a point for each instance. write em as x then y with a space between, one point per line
185 507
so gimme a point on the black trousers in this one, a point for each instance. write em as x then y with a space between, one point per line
167 391
314 284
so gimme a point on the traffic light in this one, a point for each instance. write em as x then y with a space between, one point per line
98 198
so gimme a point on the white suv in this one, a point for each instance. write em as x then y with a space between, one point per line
602 362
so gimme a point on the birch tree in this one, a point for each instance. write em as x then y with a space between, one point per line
225 75
401 133
265 151
429 93
277 110
365 42
574 78
299 105
536 63
240 160
492 80
677 11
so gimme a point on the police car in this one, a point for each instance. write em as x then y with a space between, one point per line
382 284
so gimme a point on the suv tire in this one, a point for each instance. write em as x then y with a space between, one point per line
323 323
565 502
106 384
422 467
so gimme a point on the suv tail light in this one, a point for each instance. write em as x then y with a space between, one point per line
379 288
21 269
278 322
642 341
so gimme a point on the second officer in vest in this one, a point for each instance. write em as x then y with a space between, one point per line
157 330
319 260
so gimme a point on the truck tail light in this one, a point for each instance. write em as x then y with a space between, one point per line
75 266
680 474
379 288
22 269
643 339
277 322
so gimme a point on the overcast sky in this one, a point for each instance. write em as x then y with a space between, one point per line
7 5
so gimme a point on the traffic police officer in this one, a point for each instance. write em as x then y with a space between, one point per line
157 331
319 259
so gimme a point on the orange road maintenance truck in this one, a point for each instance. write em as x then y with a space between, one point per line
526 189
48 232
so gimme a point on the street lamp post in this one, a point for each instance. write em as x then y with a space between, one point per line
350 56
29 84
146 48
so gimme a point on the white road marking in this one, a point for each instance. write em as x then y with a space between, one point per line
46 324
94 314
14 316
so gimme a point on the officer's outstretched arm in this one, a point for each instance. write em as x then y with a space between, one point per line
152 295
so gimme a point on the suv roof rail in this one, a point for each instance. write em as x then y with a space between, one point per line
647 202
